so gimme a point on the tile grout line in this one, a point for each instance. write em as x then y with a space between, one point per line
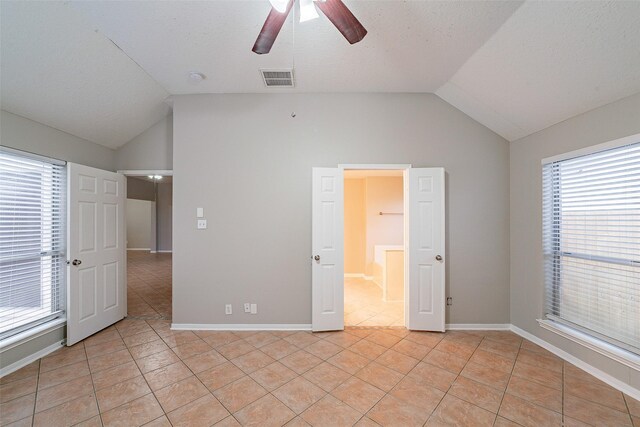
452 382
509 382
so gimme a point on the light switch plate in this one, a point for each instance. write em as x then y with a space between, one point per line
202 224
199 212
254 308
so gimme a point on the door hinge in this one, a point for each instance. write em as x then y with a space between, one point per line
449 301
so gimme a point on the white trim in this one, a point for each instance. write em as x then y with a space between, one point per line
358 275
631 139
240 327
478 326
612 381
164 252
375 166
30 358
599 346
144 172
31 334
138 249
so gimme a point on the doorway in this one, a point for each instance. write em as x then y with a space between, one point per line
149 242
373 248
424 246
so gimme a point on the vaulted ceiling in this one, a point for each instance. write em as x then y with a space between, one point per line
102 69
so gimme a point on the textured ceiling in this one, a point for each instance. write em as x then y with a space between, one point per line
549 62
56 70
101 69
411 46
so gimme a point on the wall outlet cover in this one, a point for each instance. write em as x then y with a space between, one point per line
202 224
228 309
254 308
247 307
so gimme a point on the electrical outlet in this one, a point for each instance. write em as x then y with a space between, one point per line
247 307
449 301
202 224
228 309
254 308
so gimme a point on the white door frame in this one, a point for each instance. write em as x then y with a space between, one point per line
146 172
405 200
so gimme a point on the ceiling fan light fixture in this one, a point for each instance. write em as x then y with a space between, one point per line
307 10
279 5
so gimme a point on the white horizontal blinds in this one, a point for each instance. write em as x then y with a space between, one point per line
32 241
592 243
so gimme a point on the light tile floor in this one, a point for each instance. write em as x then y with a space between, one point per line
139 372
363 305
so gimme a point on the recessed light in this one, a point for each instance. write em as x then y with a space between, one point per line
195 77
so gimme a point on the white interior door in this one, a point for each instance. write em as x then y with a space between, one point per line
96 285
426 235
327 242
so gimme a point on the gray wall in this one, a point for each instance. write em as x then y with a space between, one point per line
152 149
139 224
164 216
140 189
604 124
248 163
27 135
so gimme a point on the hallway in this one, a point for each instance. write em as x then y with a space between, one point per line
149 285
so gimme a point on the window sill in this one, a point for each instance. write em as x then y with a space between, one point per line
611 351
32 333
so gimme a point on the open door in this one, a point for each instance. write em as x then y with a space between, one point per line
426 235
96 284
327 242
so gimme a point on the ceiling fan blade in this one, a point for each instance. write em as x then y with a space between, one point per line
343 19
270 30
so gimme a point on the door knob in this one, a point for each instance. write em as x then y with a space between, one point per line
317 257
438 257
76 262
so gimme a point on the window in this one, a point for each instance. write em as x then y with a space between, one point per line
32 241
592 244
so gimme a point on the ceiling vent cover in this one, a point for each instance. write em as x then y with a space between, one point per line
277 78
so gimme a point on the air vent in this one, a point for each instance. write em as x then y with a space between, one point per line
277 78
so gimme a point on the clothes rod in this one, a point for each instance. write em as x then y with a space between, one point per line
390 213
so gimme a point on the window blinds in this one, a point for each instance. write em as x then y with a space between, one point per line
591 215
32 241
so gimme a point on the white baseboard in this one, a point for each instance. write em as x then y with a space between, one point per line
138 249
241 327
357 276
478 326
602 376
164 252
30 358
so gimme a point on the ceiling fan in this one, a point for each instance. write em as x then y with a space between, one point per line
335 10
